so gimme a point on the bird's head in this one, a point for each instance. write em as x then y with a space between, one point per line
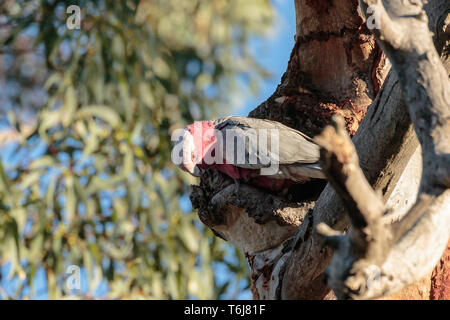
196 140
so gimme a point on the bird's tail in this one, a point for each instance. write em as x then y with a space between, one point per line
313 170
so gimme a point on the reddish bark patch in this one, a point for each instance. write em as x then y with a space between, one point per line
250 259
320 5
266 273
335 71
310 115
440 279
253 277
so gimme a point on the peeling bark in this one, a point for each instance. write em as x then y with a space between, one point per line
440 279
335 67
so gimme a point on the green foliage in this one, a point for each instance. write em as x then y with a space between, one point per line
93 184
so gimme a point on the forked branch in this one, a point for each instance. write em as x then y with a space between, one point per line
376 259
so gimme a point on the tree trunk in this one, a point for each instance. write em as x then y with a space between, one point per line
335 68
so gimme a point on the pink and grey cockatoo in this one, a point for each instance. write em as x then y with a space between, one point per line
261 152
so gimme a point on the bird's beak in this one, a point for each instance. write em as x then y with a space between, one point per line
192 169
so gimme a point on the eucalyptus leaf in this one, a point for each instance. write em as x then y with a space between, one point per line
90 182
105 113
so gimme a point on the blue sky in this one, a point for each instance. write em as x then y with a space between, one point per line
272 53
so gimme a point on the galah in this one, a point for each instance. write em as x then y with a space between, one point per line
260 152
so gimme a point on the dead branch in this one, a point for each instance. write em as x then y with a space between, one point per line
364 206
375 259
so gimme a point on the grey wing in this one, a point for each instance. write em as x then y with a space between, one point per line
258 143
